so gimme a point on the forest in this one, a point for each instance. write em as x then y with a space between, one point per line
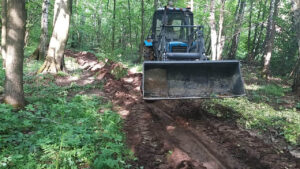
72 86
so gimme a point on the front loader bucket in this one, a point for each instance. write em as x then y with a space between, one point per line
192 79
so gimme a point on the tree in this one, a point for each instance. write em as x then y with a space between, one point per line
213 31
238 24
269 40
113 27
55 56
40 52
3 32
296 22
15 33
221 38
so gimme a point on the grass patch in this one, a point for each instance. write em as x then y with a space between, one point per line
262 117
58 131
273 90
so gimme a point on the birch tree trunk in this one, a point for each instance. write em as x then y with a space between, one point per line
269 40
213 31
237 29
40 52
16 21
221 39
3 31
55 56
296 21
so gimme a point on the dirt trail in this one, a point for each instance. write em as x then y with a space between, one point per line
181 134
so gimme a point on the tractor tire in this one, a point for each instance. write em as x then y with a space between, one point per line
148 53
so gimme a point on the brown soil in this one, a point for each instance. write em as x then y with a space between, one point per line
180 133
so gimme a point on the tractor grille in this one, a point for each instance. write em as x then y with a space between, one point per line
179 49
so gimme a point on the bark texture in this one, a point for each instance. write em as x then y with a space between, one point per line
270 37
3 32
16 21
54 60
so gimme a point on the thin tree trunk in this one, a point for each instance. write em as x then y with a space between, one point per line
258 44
155 4
192 5
270 37
249 28
251 54
74 42
16 21
221 39
129 20
113 27
296 22
3 31
213 32
40 52
55 56
142 32
237 29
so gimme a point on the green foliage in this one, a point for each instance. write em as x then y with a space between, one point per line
59 131
119 72
261 116
273 90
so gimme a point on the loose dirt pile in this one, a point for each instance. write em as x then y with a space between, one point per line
180 134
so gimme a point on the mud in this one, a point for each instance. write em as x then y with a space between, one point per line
181 134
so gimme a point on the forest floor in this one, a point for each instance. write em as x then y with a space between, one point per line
208 134
73 119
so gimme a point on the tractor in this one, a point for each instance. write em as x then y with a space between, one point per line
175 65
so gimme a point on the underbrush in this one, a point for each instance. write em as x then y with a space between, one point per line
269 107
261 117
58 130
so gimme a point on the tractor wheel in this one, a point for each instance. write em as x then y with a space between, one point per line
148 53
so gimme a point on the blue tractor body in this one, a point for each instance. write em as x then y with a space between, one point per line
175 65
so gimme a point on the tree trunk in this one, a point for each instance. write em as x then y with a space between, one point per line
129 22
155 4
55 61
237 29
3 32
269 37
42 48
249 28
142 32
213 31
113 27
296 21
192 5
16 21
258 44
251 53
221 39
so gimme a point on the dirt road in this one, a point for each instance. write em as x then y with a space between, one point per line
182 135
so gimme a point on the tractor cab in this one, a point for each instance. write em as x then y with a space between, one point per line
174 19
